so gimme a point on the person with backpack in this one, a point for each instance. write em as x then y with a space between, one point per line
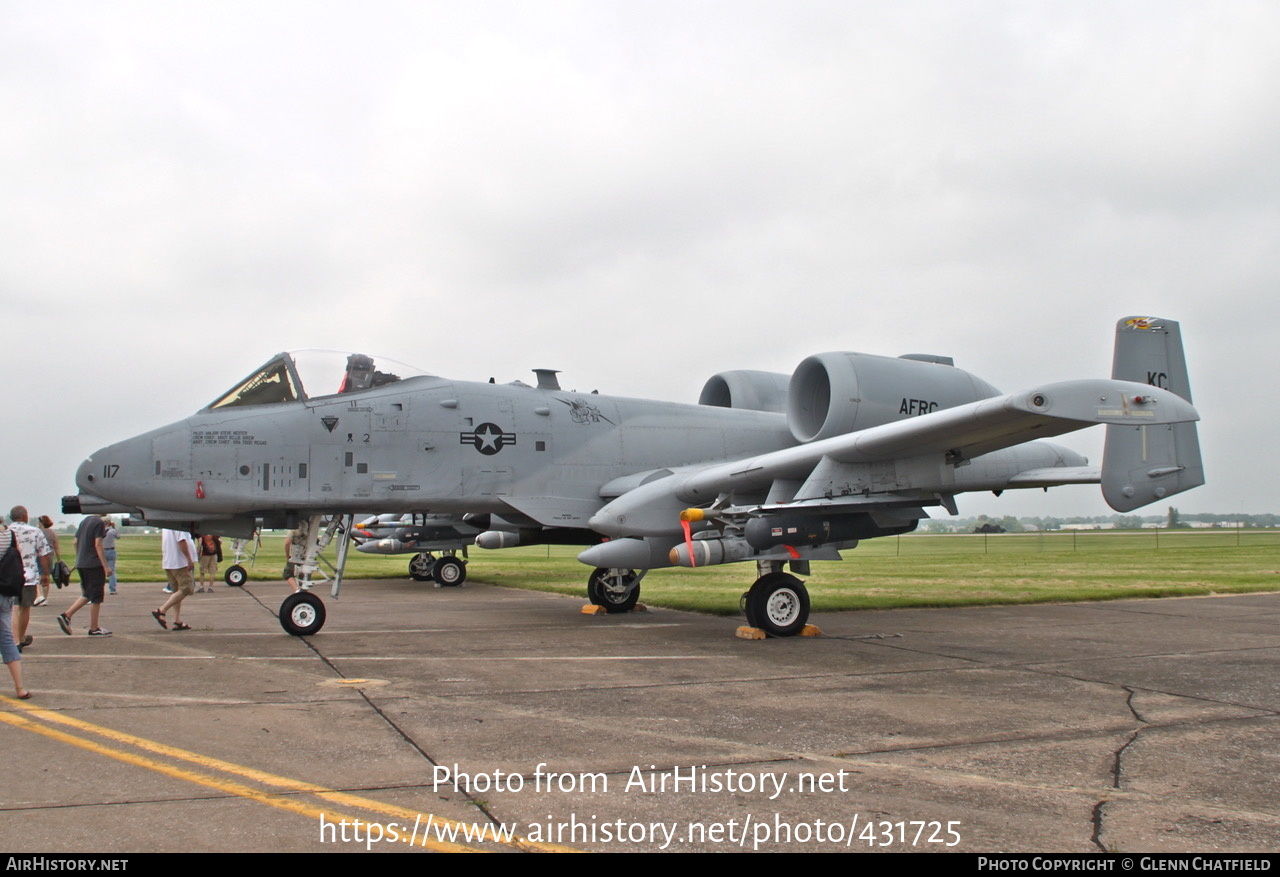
91 564
12 579
61 574
210 557
35 563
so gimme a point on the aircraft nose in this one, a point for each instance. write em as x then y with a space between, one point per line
98 470
97 492
83 481
116 471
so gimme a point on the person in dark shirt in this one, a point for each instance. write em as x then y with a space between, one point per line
91 563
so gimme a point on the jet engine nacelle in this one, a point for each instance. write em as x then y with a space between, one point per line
836 393
746 389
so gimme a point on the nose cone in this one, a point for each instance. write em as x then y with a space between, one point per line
99 479
82 475
99 488
108 470
126 473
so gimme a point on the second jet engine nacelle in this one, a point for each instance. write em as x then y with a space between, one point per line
748 390
836 393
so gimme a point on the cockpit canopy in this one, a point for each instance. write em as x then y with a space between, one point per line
309 374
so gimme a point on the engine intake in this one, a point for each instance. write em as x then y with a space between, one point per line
748 390
837 393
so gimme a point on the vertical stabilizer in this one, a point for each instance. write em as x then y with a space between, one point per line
1143 464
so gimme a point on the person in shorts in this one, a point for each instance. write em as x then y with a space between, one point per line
295 547
178 557
91 563
210 557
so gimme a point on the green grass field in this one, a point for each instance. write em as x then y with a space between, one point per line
914 570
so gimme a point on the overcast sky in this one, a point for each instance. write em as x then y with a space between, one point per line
638 193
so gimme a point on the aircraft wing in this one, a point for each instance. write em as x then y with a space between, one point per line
922 455
961 433
1053 476
555 511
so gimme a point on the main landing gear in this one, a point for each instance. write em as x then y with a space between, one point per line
420 566
617 590
447 571
778 602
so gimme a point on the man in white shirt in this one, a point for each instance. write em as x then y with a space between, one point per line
178 557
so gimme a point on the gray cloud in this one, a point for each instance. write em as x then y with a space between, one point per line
639 194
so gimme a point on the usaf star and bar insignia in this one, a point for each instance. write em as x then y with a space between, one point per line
488 438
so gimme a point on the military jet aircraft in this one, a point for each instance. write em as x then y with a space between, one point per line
775 470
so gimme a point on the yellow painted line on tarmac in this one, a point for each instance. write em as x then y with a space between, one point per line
233 788
454 659
221 785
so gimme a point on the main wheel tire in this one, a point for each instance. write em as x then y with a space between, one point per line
612 595
420 567
778 604
302 614
235 576
449 572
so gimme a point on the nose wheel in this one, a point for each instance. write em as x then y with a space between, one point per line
302 614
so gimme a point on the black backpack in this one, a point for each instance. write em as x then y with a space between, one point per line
12 575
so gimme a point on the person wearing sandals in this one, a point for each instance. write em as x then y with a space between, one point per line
35 563
8 648
178 555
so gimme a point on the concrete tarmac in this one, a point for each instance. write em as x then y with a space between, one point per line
1127 726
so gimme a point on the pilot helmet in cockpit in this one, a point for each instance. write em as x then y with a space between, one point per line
359 373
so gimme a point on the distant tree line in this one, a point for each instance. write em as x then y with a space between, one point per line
1172 518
